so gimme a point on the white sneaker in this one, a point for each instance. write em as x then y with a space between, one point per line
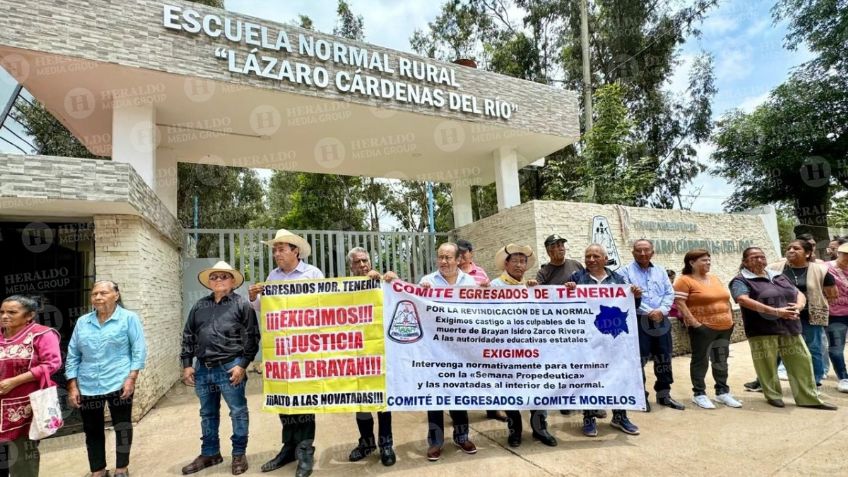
842 386
728 400
781 373
703 402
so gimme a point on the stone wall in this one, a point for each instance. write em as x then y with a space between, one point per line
146 266
680 336
529 223
63 186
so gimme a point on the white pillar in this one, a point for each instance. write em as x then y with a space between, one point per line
461 194
134 139
506 178
166 179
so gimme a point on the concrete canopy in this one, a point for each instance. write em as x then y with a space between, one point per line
86 60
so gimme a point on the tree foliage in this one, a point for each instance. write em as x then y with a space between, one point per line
791 148
634 44
822 25
49 136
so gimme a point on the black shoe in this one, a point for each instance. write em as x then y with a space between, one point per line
544 437
305 454
363 450
776 402
753 386
647 406
285 456
514 440
387 456
670 402
823 406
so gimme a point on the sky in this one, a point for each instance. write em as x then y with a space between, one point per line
746 44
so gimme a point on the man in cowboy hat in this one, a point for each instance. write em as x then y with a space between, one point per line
222 334
289 250
514 260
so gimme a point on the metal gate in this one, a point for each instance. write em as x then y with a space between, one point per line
409 254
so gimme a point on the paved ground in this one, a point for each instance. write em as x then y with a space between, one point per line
755 440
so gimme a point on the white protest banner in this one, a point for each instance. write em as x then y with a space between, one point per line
511 348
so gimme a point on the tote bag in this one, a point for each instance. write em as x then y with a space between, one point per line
46 413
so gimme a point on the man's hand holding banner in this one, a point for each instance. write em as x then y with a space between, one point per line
324 350
322 346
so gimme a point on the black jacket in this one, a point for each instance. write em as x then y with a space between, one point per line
220 331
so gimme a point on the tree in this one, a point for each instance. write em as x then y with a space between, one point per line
634 44
49 136
227 197
326 202
822 25
791 148
349 25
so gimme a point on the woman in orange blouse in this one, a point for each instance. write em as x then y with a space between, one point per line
704 306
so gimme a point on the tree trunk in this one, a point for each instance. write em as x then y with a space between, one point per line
811 209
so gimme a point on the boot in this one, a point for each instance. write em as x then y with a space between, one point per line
305 453
285 456
365 448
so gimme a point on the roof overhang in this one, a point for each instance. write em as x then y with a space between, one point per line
82 60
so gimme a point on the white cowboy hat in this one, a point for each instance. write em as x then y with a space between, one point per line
284 236
222 266
503 252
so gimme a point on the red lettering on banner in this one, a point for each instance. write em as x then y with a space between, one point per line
282 369
342 367
495 293
591 292
432 292
319 317
315 342
510 353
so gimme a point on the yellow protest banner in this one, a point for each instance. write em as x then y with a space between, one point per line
322 346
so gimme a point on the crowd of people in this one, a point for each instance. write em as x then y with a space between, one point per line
794 312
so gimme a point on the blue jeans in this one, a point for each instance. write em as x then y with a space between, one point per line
813 339
836 332
210 385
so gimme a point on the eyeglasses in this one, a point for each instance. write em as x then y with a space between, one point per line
220 276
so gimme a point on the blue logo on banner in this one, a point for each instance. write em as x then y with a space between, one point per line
611 321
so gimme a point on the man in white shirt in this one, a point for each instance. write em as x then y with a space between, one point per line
298 429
